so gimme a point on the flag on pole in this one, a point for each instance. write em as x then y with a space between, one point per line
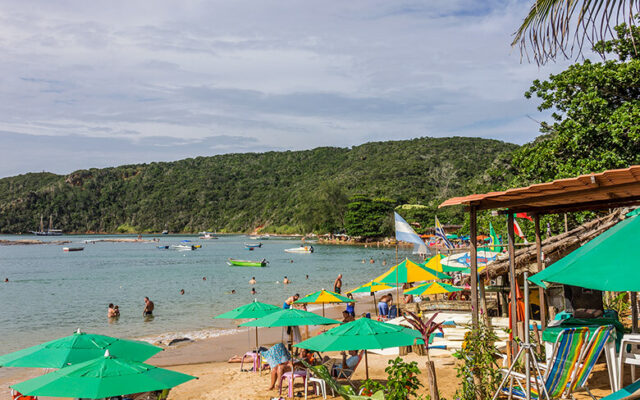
524 215
405 233
494 239
518 231
442 235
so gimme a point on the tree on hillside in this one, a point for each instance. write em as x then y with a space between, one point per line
596 116
366 217
562 27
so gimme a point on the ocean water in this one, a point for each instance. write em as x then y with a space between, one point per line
52 293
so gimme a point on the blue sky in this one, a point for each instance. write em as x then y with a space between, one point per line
104 83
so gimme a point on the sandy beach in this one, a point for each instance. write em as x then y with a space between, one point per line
218 379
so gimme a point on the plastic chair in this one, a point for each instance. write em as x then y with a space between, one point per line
318 384
255 358
561 370
291 377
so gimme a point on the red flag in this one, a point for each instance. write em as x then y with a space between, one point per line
518 231
524 215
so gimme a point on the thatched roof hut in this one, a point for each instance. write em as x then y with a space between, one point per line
556 247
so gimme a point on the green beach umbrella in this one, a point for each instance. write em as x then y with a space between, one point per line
363 334
323 297
102 377
290 317
607 262
255 309
433 288
371 287
77 348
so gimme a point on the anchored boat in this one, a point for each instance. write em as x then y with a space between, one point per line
301 249
72 248
246 263
251 246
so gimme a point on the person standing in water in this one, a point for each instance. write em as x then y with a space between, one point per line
111 312
286 281
148 307
252 281
337 285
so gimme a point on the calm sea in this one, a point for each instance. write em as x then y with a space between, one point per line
51 293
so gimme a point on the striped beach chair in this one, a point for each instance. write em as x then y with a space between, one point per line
590 356
562 368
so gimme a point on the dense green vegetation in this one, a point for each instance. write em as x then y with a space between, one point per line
292 191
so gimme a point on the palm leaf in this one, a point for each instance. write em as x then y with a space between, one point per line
562 27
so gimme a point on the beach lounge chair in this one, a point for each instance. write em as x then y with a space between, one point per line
346 373
629 392
560 372
590 356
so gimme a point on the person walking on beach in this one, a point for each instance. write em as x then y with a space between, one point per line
252 281
337 285
148 307
289 302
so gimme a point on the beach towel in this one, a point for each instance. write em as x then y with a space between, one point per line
276 355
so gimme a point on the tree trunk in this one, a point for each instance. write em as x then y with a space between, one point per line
433 383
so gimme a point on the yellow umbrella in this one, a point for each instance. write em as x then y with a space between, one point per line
433 288
371 287
323 297
408 271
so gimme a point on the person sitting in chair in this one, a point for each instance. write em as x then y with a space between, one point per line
279 360
345 368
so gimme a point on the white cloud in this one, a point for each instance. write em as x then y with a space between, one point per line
284 74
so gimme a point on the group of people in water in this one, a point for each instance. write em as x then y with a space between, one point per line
113 311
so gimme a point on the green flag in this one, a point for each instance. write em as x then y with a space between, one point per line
494 239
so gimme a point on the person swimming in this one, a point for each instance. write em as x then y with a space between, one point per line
253 290
252 281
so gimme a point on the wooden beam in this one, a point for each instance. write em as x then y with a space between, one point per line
473 234
543 308
513 280
563 196
575 206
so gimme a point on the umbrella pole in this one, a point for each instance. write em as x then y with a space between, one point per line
375 305
323 309
256 338
366 364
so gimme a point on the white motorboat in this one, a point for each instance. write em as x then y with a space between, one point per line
300 250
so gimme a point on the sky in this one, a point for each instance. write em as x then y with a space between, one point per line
103 83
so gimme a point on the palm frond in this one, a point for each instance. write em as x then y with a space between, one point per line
562 27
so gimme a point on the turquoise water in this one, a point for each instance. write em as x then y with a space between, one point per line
51 293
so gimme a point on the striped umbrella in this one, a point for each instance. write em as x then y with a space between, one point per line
371 287
323 297
433 288
408 271
435 264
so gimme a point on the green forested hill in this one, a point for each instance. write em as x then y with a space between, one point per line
283 191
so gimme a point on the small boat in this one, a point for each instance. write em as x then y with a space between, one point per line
301 249
247 263
165 232
50 231
251 246
162 247
208 236
183 247
72 248
259 237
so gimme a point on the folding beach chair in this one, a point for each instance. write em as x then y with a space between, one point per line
346 373
589 358
562 368
628 392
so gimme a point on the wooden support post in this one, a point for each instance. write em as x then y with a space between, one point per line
473 234
634 312
543 306
513 280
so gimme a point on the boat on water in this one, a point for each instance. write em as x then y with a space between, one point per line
207 236
185 247
301 250
251 246
165 232
166 247
247 263
259 237
50 231
72 248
